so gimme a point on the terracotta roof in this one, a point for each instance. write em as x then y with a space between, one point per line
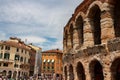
15 44
53 51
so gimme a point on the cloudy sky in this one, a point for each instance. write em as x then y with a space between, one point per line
40 22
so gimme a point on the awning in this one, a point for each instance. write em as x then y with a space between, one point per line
44 60
52 60
48 60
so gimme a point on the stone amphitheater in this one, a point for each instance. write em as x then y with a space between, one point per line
91 42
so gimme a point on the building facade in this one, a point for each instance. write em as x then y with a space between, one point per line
32 61
52 64
14 58
91 42
37 59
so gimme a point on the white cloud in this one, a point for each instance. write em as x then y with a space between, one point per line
57 44
2 35
33 39
39 18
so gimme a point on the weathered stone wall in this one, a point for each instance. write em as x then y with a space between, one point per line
106 54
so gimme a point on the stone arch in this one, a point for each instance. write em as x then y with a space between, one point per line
115 69
79 23
9 74
14 74
71 74
71 34
80 14
98 3
80 71
4 73
117 18
19 74
65 72
94 14
96 70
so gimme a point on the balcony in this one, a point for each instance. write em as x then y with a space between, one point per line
6 60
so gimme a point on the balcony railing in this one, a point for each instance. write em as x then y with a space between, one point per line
6 60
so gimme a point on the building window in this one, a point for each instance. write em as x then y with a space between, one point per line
7 47
17 50
22 50
21 66
52 67
5 64
44 67
16 65
1 55
25 60
17 57
6 56
21 59
2 47
44 63
48 68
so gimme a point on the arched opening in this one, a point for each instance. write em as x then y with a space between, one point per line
95 18
65 72
71 74
19 74
117 18
9 74
96 70
80 72
4 73
115 69
21 59
71 35
79 26
15 74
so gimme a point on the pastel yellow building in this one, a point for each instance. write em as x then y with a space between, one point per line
14 58
52 64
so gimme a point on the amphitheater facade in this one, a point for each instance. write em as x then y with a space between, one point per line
91 42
